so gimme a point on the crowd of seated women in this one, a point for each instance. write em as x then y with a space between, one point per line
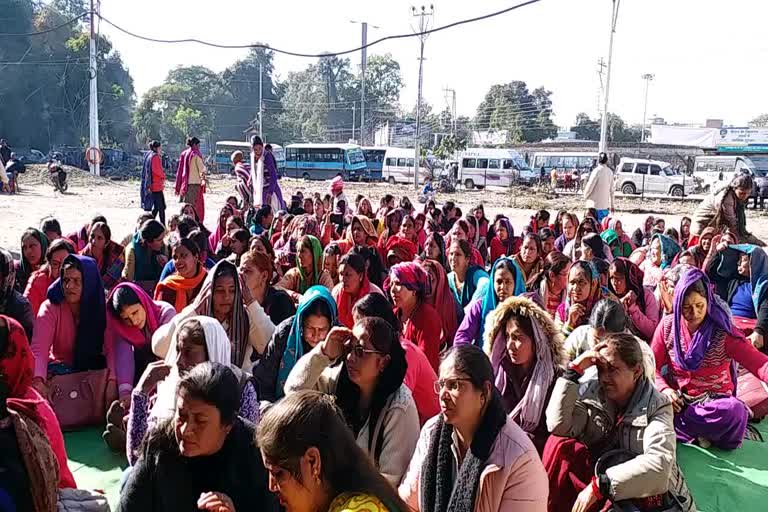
392 359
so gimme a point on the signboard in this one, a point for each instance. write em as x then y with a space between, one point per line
756 148
94 156
743 136
490 137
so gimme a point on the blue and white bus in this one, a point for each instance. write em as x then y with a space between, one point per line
225 148
374 160
324 161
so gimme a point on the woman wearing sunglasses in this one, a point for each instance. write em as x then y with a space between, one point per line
472 456
369 390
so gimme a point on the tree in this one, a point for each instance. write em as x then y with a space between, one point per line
383 83
305 104
527 116
760 121
586 128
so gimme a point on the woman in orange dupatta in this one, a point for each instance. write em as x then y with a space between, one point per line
181 287
353 286
360 232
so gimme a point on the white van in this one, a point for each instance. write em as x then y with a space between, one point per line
636 175
398 166
481 167
715 169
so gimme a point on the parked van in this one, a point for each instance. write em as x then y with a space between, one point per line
715 169
637 175
398 166
481 167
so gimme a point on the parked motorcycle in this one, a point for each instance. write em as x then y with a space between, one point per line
57 174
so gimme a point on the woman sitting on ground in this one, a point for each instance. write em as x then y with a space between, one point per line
12 303
368 386
699 345
507 282
308 271
203 455
582 294
256 270
200 239
27 405
34 245
549 291
461 231
574 248
526 352
441 298
39 281
292 338
145 256
617 247
222 227
701 250
198 339
504 242
180 288
617 226
331 255
466 281
620 410
262 220
421 322
685 231
626 283
420 377
360 232
473 456
570 224
69 330
314 462
234 245
434 249
223 297
530 260
660 255
107 253
354 286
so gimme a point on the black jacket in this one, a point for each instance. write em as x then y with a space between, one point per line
163 480
17 307
266 368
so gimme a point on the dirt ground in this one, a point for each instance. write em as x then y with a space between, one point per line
119 202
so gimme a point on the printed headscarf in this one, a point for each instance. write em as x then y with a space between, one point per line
413 277
238 326
294 346
317 264
8 271
669 249
717 318
217 346
368 228
89 339
491 300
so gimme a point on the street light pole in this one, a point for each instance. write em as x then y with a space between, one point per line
647 77
93 103
604 124
363 68
424 15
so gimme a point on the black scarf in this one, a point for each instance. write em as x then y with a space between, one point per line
438 494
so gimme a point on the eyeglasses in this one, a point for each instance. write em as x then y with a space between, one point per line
359 351
452 385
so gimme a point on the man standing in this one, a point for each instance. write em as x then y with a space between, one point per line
264 174
190 177
5 152
598 192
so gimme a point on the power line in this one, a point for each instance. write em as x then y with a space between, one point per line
46 31
320 55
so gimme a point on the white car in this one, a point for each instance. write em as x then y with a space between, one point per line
637 175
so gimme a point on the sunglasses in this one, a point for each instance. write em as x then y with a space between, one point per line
359 351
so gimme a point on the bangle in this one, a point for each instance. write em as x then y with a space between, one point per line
573 366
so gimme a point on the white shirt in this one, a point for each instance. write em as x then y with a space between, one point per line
598 193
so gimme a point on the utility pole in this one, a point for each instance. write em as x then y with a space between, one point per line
453 108
93 112
424 18
261 101
601 89
647 77
604 124
353 122
363 66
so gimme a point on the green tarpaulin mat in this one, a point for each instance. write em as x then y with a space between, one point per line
721 481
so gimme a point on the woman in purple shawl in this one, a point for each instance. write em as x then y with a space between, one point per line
271 193
700 349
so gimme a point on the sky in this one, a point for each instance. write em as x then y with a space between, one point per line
707 56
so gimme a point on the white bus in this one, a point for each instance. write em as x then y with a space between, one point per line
398 166
722 168
481 167
564 161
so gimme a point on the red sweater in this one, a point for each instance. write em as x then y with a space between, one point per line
423 328
158 175
497 248
714 373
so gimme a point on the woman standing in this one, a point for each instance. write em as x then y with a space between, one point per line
34 245
421 322
39 281
314 462
153 182
507 282
368 386
529 260
354 286
203 457
526 352
626 283
496 467
725 208
549 291
700 347
180 288
465 280
620 408
107 253
308 271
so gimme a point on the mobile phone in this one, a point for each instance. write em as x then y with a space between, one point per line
337 218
